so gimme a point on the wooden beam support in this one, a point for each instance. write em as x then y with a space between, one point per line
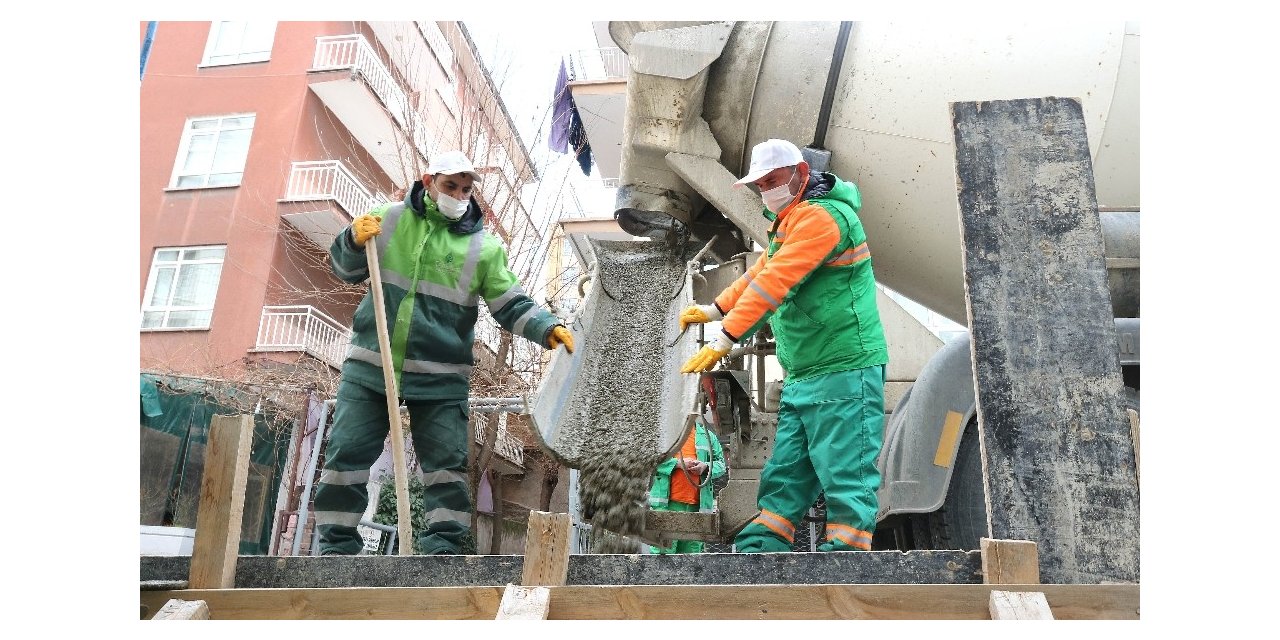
226 472
1020 605
660 602
1056 444
1137 450
546 550
1009 562
176 609
524 603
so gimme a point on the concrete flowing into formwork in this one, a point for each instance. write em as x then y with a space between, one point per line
861 567
619 404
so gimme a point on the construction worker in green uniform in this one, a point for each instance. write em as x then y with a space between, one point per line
436 262
815 286
683 482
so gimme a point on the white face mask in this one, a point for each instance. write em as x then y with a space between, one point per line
778 197
450 207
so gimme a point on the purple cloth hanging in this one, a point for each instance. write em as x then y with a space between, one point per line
561 110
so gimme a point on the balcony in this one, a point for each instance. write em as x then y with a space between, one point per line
303 328
326 181
595 65
598 82
504 445
358 87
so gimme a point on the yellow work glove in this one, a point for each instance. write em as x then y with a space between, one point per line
365 227
709 355
699 313
560 336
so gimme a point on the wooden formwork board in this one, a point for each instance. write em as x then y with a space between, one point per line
661 602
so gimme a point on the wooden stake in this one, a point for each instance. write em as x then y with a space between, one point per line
524 603
1137 454
1009 562
176 609
218 518
404 529
546 550
1020 605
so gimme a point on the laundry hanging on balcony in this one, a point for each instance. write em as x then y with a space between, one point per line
568 133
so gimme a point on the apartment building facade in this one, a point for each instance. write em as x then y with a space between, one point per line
260 141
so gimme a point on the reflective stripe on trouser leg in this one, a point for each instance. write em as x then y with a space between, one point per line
358 436
679 546
845 415
788 487
440 442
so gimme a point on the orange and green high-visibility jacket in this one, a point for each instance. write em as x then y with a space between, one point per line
434 274
814 285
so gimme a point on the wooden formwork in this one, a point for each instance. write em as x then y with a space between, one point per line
1010 589
1009 568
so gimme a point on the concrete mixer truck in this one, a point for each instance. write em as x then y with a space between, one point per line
870 103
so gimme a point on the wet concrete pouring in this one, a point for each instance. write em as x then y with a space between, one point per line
616 421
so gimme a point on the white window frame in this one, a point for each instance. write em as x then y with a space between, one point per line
189 132
177 264
244 53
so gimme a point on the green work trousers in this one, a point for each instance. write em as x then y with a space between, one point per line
830 428
360 427
679 546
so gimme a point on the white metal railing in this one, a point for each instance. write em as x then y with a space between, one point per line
303 328
354 52
609 63
329 180
439 46
504 445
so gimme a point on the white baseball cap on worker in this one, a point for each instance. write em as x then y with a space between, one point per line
769 155
452 163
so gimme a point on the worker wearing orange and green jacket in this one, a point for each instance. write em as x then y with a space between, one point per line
683 481
815 286
437 262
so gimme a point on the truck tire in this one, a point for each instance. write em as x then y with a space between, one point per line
961 521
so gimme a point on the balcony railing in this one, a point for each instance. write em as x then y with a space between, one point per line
329 180
303 328
609 63
504 445
354 52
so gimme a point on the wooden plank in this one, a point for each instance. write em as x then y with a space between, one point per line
524 603
1020 605
226 472
546 550
176 609
1137 450
1058 455
1009 562
355 603
660 602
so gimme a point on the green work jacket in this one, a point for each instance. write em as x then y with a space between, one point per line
434 273
709 451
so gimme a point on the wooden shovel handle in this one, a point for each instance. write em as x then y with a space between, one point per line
404 529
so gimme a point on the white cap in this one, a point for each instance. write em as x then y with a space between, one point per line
769 155
451 163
